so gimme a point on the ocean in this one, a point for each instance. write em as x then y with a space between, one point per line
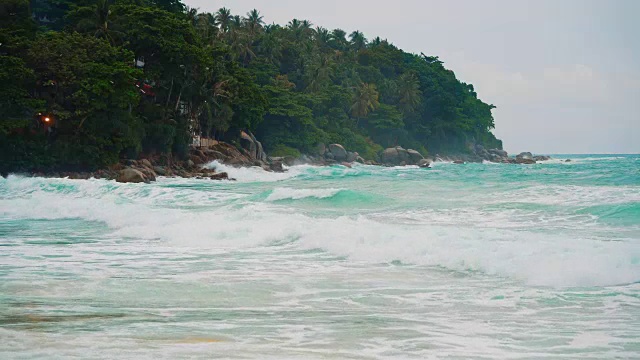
473 261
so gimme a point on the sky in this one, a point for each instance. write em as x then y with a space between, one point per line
564 75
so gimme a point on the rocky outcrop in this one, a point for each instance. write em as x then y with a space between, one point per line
398 156
130 175
424 163
252 146
525 155
352 156
336 152
414 156
220 176
479 153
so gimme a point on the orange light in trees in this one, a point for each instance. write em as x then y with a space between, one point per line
47 119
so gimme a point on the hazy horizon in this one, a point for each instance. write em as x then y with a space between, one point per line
564 76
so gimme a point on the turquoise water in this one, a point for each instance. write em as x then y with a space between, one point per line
466 261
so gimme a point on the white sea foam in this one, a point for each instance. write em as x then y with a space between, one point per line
253 174
525 255
296 194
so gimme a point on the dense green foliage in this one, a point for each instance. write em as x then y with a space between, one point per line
128 76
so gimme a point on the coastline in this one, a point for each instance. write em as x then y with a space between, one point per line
147 168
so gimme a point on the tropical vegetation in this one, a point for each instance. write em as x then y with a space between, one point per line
121 78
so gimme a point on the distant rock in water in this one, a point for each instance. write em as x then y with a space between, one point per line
424 163
525 155
129 175
398 156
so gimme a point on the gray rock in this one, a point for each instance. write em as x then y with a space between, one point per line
499 152
414 156
190 163
220 176
523 160
129 175
424 163
338 151
360 160
352 156
160 170
276 166
525 155
146 163
395 156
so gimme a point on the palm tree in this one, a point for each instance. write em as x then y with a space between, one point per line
96 19
339 39
358 41
254 22
320 72
365 100
223 17
323 37
409 92
270 46
206 24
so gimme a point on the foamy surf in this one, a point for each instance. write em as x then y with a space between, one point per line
484 260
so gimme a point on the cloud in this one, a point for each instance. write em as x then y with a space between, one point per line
571 84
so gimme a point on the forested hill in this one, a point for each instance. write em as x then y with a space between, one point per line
118 78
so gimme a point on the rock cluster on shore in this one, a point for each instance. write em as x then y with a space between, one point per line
337 154
251 153
477 153
146 169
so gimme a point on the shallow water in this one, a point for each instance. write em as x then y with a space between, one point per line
459 261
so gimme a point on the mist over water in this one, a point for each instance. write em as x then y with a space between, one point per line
460 261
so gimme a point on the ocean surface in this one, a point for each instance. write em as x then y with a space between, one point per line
474 261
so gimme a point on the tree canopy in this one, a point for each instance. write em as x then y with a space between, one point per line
128 76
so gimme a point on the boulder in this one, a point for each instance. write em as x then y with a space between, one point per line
352 156
160 170
414 156
458 162
522 160
276 166
190 163
525 155
360 160
499 152
346 164
289 160
247 143
424 163
129 175
568 160
541 158
220 176
149 174
146 163
338 151
394 156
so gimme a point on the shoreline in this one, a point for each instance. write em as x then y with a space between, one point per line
147 168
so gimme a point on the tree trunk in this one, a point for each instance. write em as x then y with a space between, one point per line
166 106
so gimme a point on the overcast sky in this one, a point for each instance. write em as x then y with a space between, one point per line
564 75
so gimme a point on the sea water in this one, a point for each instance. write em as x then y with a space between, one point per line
482 261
